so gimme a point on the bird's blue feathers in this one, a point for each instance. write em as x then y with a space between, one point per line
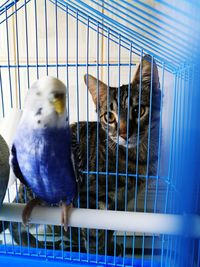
44 157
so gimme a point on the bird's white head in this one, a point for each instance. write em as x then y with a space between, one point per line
45 104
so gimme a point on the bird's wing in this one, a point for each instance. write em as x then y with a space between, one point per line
15 165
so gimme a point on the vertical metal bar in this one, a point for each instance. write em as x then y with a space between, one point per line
171 157
186 94
45 241
26 38
36 38
53 239
133 249
191 85
67 62
28 232
171 138
177 249
36 230
18 224
46 35
149 134
77 81
117 149
62 243
20 241
148 152
87 111
17 194
107 135
17 49
4 238
162 250
36 225
118 125
77 106
138 140
138 133
56 27
2 96
159 159
8 55
175 167
37 75
97 155
127 138
10 225
183 124
159 137
87 125
70 243
137 150
127 128
179 139
165 262
179 133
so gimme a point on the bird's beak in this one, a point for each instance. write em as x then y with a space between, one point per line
59 105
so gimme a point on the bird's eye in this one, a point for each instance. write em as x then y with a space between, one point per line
58 95
109 117
142 111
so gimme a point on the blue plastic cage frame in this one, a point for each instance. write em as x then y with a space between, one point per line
182 66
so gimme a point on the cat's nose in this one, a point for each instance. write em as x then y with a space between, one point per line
123 129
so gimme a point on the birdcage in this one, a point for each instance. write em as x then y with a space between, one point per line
135 217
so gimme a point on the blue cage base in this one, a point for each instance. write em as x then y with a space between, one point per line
41 257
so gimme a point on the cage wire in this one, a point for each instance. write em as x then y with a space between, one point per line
109 39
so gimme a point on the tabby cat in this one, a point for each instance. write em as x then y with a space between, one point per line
117 165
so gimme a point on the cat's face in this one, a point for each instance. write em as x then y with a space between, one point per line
123 116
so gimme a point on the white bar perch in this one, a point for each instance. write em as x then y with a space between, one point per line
154 223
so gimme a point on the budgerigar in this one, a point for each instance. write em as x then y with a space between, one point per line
4 171
41 151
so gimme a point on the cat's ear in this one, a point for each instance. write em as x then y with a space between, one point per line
92 84
146 72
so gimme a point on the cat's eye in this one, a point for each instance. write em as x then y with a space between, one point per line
142 111
109 117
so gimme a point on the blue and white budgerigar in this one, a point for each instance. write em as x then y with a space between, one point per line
41 151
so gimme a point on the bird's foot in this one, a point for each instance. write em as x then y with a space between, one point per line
65 214
28 210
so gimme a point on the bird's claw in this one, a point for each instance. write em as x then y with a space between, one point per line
26 214
65 215
25 217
